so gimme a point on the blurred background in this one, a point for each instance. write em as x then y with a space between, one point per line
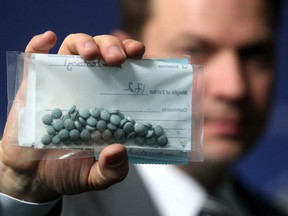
265 168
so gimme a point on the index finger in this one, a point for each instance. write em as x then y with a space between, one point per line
42 43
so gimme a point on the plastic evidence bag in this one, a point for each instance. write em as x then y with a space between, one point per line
152 106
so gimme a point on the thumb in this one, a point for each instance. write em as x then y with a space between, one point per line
112 167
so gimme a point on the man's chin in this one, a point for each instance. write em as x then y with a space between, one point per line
223 152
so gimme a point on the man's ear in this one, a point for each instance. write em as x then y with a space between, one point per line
121 34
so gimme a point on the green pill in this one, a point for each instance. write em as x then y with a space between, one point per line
84 113
106 135
51 130
131 135
85 135
71 110
101 125
128 127
74 134
96 136
90 128
82 121
114 111
67 142
74 115
105 115
119 134
78 125
123 122
115 119
58 124
56 140
78 142
162 140
158 130
95 112
112 127
149 134
91 121
139 140
69 124
47 119
56 113
46 139
140 128
151 141
65 117
131 120
63 134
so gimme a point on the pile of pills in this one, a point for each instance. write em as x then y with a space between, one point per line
98 126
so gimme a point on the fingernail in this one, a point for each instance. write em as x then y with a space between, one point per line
89 45
116 51
116 160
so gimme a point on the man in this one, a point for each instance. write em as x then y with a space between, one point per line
234 40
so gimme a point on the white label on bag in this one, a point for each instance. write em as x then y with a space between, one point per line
154 91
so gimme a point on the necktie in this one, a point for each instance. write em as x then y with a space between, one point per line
216 207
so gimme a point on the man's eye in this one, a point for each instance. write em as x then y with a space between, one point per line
259 51
194 51
260 56
197 55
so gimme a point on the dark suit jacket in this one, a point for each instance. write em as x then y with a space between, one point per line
130 198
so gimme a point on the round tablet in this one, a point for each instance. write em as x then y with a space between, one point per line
91 121
119 134
78 125
140 128
56 113
115 119
74 115
158 130
123 122
63 134
51 130
85 135
162 140
90 128
58 124
46 139
74 134
105 115
47 119
71 110
69 124
95 112
106 135
139 140
151 141
96 136
111 126
101 125
149 134
128 127
84 113
56 140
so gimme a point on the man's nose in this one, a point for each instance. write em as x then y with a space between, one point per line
224 76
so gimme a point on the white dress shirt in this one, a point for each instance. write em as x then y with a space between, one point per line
173 191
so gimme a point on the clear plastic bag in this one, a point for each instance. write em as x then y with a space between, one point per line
152 106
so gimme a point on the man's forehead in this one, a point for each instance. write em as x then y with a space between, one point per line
215 20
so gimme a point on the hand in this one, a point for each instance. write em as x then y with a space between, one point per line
44 180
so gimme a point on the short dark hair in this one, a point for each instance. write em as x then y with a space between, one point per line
135 13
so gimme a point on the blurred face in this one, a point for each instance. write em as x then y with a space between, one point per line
232 40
